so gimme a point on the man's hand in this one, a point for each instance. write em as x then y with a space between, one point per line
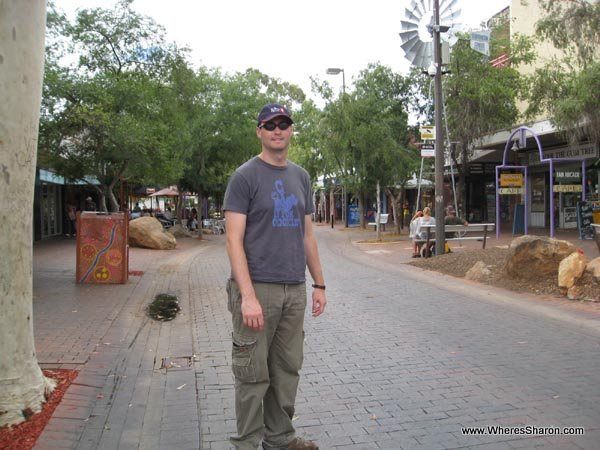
319 301
252 313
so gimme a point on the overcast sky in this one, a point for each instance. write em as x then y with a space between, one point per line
290 40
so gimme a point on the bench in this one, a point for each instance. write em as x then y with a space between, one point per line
464 234
382 221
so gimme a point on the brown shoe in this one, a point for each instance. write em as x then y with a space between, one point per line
297 444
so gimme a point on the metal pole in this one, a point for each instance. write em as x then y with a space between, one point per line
417 206
439 137
345 192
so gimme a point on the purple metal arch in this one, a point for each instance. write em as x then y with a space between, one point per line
542 160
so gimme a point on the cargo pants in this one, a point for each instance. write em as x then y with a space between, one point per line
266 363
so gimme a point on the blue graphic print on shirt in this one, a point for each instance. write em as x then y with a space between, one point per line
283 213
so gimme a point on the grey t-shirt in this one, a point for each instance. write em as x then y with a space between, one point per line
275 201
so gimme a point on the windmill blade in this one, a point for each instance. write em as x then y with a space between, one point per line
450 16
405 26
410 15
408 45
446 6
423 56
419 7
407 35
418 54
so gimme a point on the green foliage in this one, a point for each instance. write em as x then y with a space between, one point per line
115 113
365 133
568 87
479 98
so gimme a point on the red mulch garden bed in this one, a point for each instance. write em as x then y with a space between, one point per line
24 435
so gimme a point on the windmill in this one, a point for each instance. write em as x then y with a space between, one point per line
423 23
416 36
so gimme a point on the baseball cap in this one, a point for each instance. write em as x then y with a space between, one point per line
273 110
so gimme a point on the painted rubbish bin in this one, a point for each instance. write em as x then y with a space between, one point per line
102 250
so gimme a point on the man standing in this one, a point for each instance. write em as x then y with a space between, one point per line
270 242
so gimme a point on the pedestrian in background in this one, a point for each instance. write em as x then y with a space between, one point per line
71 220
90 205
413 234
270 242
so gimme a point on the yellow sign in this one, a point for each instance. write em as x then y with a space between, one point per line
511 179
510 191
427 132
566 188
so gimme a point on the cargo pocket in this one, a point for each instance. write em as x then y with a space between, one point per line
242 356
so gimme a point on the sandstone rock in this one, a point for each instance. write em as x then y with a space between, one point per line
479 271
532 257
570 269
593 268
148 232
575 292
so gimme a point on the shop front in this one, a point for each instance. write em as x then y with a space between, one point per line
575 169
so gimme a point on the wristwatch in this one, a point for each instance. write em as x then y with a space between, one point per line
319 286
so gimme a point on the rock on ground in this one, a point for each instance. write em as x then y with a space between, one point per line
480 271
148 232
570 269
532 257
593 268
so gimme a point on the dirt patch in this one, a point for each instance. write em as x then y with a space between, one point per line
24 435
458 263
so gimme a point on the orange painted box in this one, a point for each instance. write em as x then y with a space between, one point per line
102 250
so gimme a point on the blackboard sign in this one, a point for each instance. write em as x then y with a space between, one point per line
519 220
584 220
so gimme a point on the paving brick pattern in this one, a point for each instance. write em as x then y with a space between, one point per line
394 363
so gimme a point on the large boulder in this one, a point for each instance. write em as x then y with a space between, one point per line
593 268
570 269
148 232
480 271
532 257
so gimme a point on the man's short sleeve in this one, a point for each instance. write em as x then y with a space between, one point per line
237 195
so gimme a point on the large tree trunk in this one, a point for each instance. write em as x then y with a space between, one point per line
112 200
361 209
22 28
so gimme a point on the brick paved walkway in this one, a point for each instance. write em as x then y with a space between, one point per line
396 361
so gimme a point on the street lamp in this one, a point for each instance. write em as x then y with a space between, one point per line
337 71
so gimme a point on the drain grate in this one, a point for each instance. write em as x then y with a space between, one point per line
176 362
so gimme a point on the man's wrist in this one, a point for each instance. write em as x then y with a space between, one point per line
318 286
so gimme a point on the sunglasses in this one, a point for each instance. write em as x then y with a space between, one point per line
270 126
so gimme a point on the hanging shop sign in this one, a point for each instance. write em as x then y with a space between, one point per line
567 188
427 151
510 191
427 132
511 179
584 151
567 176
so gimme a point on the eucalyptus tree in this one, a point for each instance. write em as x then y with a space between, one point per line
24 387
223 132
567 87
366 132
112 115
479 98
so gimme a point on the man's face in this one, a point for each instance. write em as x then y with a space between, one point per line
276 140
